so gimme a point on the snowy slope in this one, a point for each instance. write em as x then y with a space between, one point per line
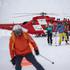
60 55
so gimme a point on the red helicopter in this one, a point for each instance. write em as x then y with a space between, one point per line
37 24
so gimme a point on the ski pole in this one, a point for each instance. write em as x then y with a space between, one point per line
47 59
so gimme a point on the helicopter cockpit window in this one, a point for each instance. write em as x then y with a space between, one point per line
42 21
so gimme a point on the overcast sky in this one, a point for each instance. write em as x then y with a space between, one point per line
8 8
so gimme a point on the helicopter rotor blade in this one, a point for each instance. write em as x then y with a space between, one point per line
40 14
29 14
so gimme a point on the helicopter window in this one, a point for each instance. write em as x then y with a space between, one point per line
37 27
42 21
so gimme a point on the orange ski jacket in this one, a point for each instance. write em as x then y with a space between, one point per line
20 45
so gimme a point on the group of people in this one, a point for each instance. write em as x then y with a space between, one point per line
61 28
19 44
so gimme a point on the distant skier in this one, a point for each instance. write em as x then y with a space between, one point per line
49 33
60 28
19 48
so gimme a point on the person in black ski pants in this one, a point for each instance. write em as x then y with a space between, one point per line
49 33
19 48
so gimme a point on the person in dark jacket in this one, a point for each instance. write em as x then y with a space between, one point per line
49 33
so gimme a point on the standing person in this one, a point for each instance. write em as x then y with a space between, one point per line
60 28
49 33
66 25
19 48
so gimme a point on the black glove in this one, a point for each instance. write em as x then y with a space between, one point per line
13 60
37 52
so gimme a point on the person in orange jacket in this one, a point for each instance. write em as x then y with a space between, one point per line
19 47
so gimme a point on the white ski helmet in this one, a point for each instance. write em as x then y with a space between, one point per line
17 27
18 30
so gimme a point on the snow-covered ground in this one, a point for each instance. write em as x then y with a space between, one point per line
59 54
